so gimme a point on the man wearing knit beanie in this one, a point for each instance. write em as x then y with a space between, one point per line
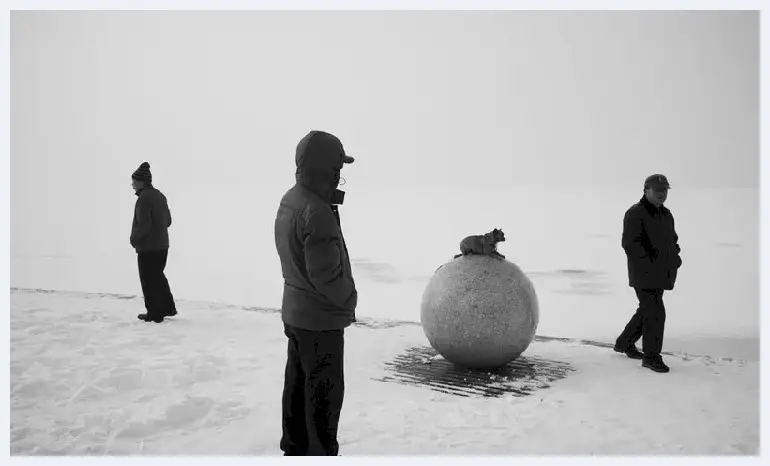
149 237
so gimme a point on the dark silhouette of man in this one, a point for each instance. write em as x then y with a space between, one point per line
653 255
319 297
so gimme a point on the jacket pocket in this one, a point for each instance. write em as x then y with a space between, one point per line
643 267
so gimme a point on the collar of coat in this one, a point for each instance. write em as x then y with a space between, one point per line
650 207
146 187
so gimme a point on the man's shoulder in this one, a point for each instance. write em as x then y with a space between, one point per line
307 207
635 209
302 198
154 195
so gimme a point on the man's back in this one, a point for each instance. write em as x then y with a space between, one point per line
319 290
152 218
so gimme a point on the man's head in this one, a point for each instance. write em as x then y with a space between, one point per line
656 189
320 157
142 177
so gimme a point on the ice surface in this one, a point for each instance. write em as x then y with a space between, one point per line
573 256
88 378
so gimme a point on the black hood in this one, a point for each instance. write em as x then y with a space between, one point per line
319 158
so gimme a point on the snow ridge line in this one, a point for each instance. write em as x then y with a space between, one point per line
366 322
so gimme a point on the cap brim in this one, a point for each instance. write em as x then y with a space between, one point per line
347 159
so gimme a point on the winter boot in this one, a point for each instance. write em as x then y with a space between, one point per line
655 363
631 352
147 318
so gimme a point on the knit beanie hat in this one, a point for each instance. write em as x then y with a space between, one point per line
143 173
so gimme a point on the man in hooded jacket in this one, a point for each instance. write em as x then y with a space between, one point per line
319 297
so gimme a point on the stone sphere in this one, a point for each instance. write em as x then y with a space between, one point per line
479 311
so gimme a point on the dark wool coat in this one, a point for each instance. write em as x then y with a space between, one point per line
651 245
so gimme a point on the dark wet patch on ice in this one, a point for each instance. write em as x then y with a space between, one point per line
422 366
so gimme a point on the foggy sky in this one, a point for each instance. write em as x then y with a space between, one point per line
534 97
421 99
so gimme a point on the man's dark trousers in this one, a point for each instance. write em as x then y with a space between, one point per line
648 323
158 299
314 387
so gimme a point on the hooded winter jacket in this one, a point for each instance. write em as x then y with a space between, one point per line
152 218
651 245
319 292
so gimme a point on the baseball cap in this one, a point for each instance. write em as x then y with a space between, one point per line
656 181
323 144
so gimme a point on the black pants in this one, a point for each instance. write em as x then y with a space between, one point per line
648 323
313 390
158 299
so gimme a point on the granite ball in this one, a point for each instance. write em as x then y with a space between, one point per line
479 311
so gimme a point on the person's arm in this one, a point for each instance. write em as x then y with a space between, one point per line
676 249
323 256
632 236
143 221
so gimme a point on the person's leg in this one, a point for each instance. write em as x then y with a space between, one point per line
653 324
294 439
154 282
169 306
144 263
323 360
626 341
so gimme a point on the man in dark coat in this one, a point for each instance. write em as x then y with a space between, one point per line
149 237
319 297
653 255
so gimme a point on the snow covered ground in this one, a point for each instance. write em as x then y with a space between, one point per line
88 378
